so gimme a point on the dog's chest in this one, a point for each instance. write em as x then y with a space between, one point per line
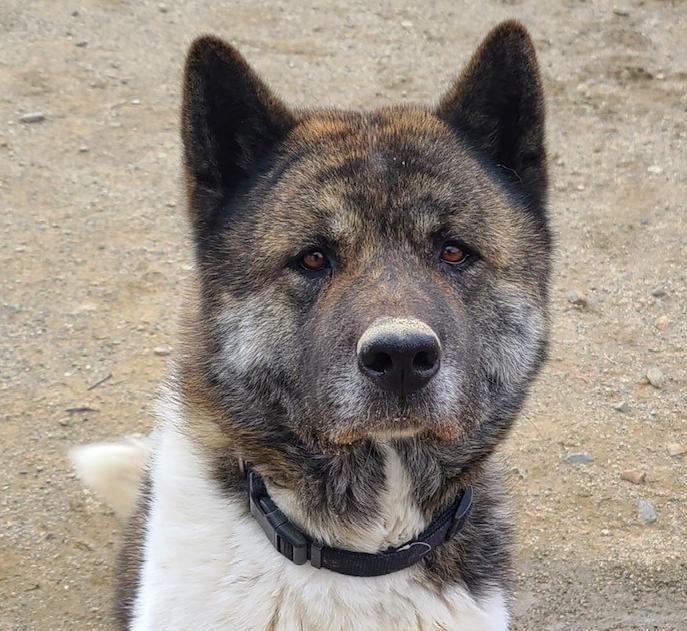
208 566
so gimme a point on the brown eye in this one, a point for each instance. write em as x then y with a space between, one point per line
453 254
314 261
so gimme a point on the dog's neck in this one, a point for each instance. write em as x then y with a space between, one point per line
369 497
397 517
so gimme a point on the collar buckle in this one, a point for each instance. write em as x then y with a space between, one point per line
287 540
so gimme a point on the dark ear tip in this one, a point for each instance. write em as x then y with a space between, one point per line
510 33
207 42
208 48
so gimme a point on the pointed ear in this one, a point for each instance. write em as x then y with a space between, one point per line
230 121
498 104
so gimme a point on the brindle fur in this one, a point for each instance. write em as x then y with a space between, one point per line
268 369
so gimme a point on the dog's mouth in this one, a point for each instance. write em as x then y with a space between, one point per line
440 432
388 435
378 435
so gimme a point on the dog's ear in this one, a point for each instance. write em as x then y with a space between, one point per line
230 121
498 104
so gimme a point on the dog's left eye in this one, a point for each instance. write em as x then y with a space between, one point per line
314 261
453 253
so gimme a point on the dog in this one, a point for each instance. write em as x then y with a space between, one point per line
368 311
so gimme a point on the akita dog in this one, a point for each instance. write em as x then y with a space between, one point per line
368 311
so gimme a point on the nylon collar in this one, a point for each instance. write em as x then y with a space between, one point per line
298 548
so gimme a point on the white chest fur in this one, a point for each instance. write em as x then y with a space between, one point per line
208 566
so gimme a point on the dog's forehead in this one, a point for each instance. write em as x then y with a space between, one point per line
349 177
378 167
356 125
368 145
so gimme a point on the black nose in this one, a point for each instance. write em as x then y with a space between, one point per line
400 358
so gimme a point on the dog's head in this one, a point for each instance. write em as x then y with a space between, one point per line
368 274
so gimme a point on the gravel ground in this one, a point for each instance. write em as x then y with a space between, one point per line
94 256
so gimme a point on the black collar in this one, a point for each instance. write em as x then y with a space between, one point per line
299 548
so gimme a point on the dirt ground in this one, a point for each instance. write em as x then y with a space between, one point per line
94 256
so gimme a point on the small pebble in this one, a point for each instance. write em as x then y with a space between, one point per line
162 8
81 43
621 11
655 377
621 406
662 323
635 476
519 472
162 351
578 458
658 292
647 512
677 449
32 117
83 149
577 298
654 169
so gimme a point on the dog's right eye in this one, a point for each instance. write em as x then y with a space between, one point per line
314 261
453 254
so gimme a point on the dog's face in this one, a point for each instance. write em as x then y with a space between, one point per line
369 274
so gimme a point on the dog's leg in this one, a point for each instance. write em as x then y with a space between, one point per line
113 471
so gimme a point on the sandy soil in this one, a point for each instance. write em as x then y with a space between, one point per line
94 256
